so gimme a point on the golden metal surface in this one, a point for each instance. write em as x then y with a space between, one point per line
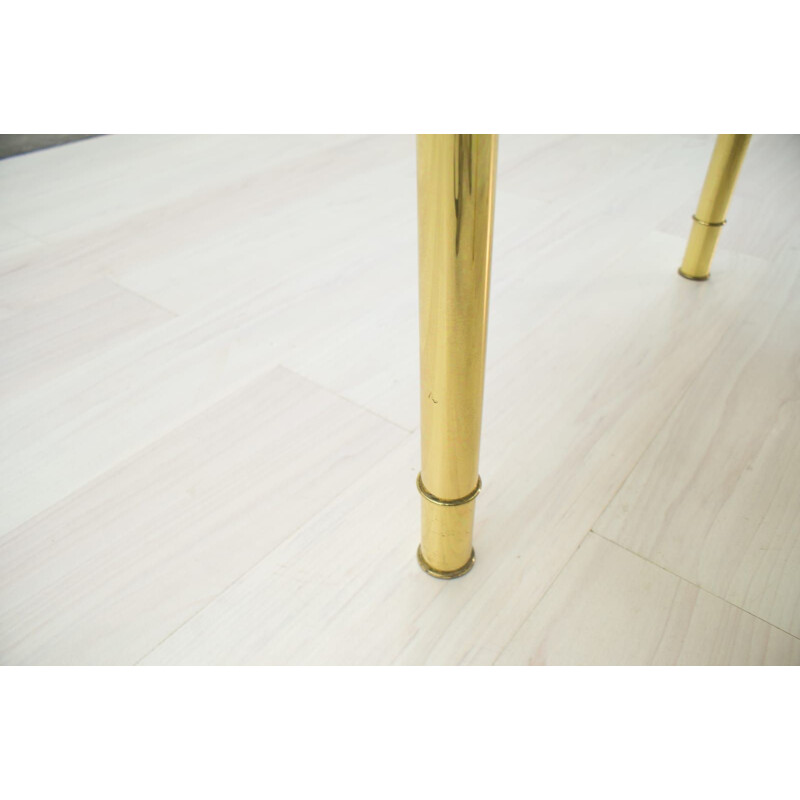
426 567
709 224
456 189
692 277
726 161
439 502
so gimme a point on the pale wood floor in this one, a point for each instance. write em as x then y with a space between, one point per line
208 408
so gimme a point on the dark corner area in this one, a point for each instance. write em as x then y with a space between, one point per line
17 144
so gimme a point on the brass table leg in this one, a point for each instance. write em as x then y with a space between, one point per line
456 188
726 161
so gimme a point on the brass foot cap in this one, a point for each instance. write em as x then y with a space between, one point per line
692 277
437 573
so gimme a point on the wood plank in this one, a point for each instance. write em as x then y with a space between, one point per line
15 245
296 217
99 182
715 498
106 574
241 217
344 588
609 173
610 606
55 336
68 431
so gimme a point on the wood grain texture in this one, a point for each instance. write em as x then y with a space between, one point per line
105 575
611 607
15 245
728 518
134 391
55 336
208 425
95 184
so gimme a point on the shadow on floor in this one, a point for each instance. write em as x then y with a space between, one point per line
16 144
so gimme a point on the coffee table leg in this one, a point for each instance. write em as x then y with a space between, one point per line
726 161
456 189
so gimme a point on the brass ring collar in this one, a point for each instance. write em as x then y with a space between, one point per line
709 224
439 502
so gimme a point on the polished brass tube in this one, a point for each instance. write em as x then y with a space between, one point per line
726 161
456 188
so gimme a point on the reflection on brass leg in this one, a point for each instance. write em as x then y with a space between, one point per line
726 161
456 187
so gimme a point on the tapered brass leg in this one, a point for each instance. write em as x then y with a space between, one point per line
456 187
726 161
